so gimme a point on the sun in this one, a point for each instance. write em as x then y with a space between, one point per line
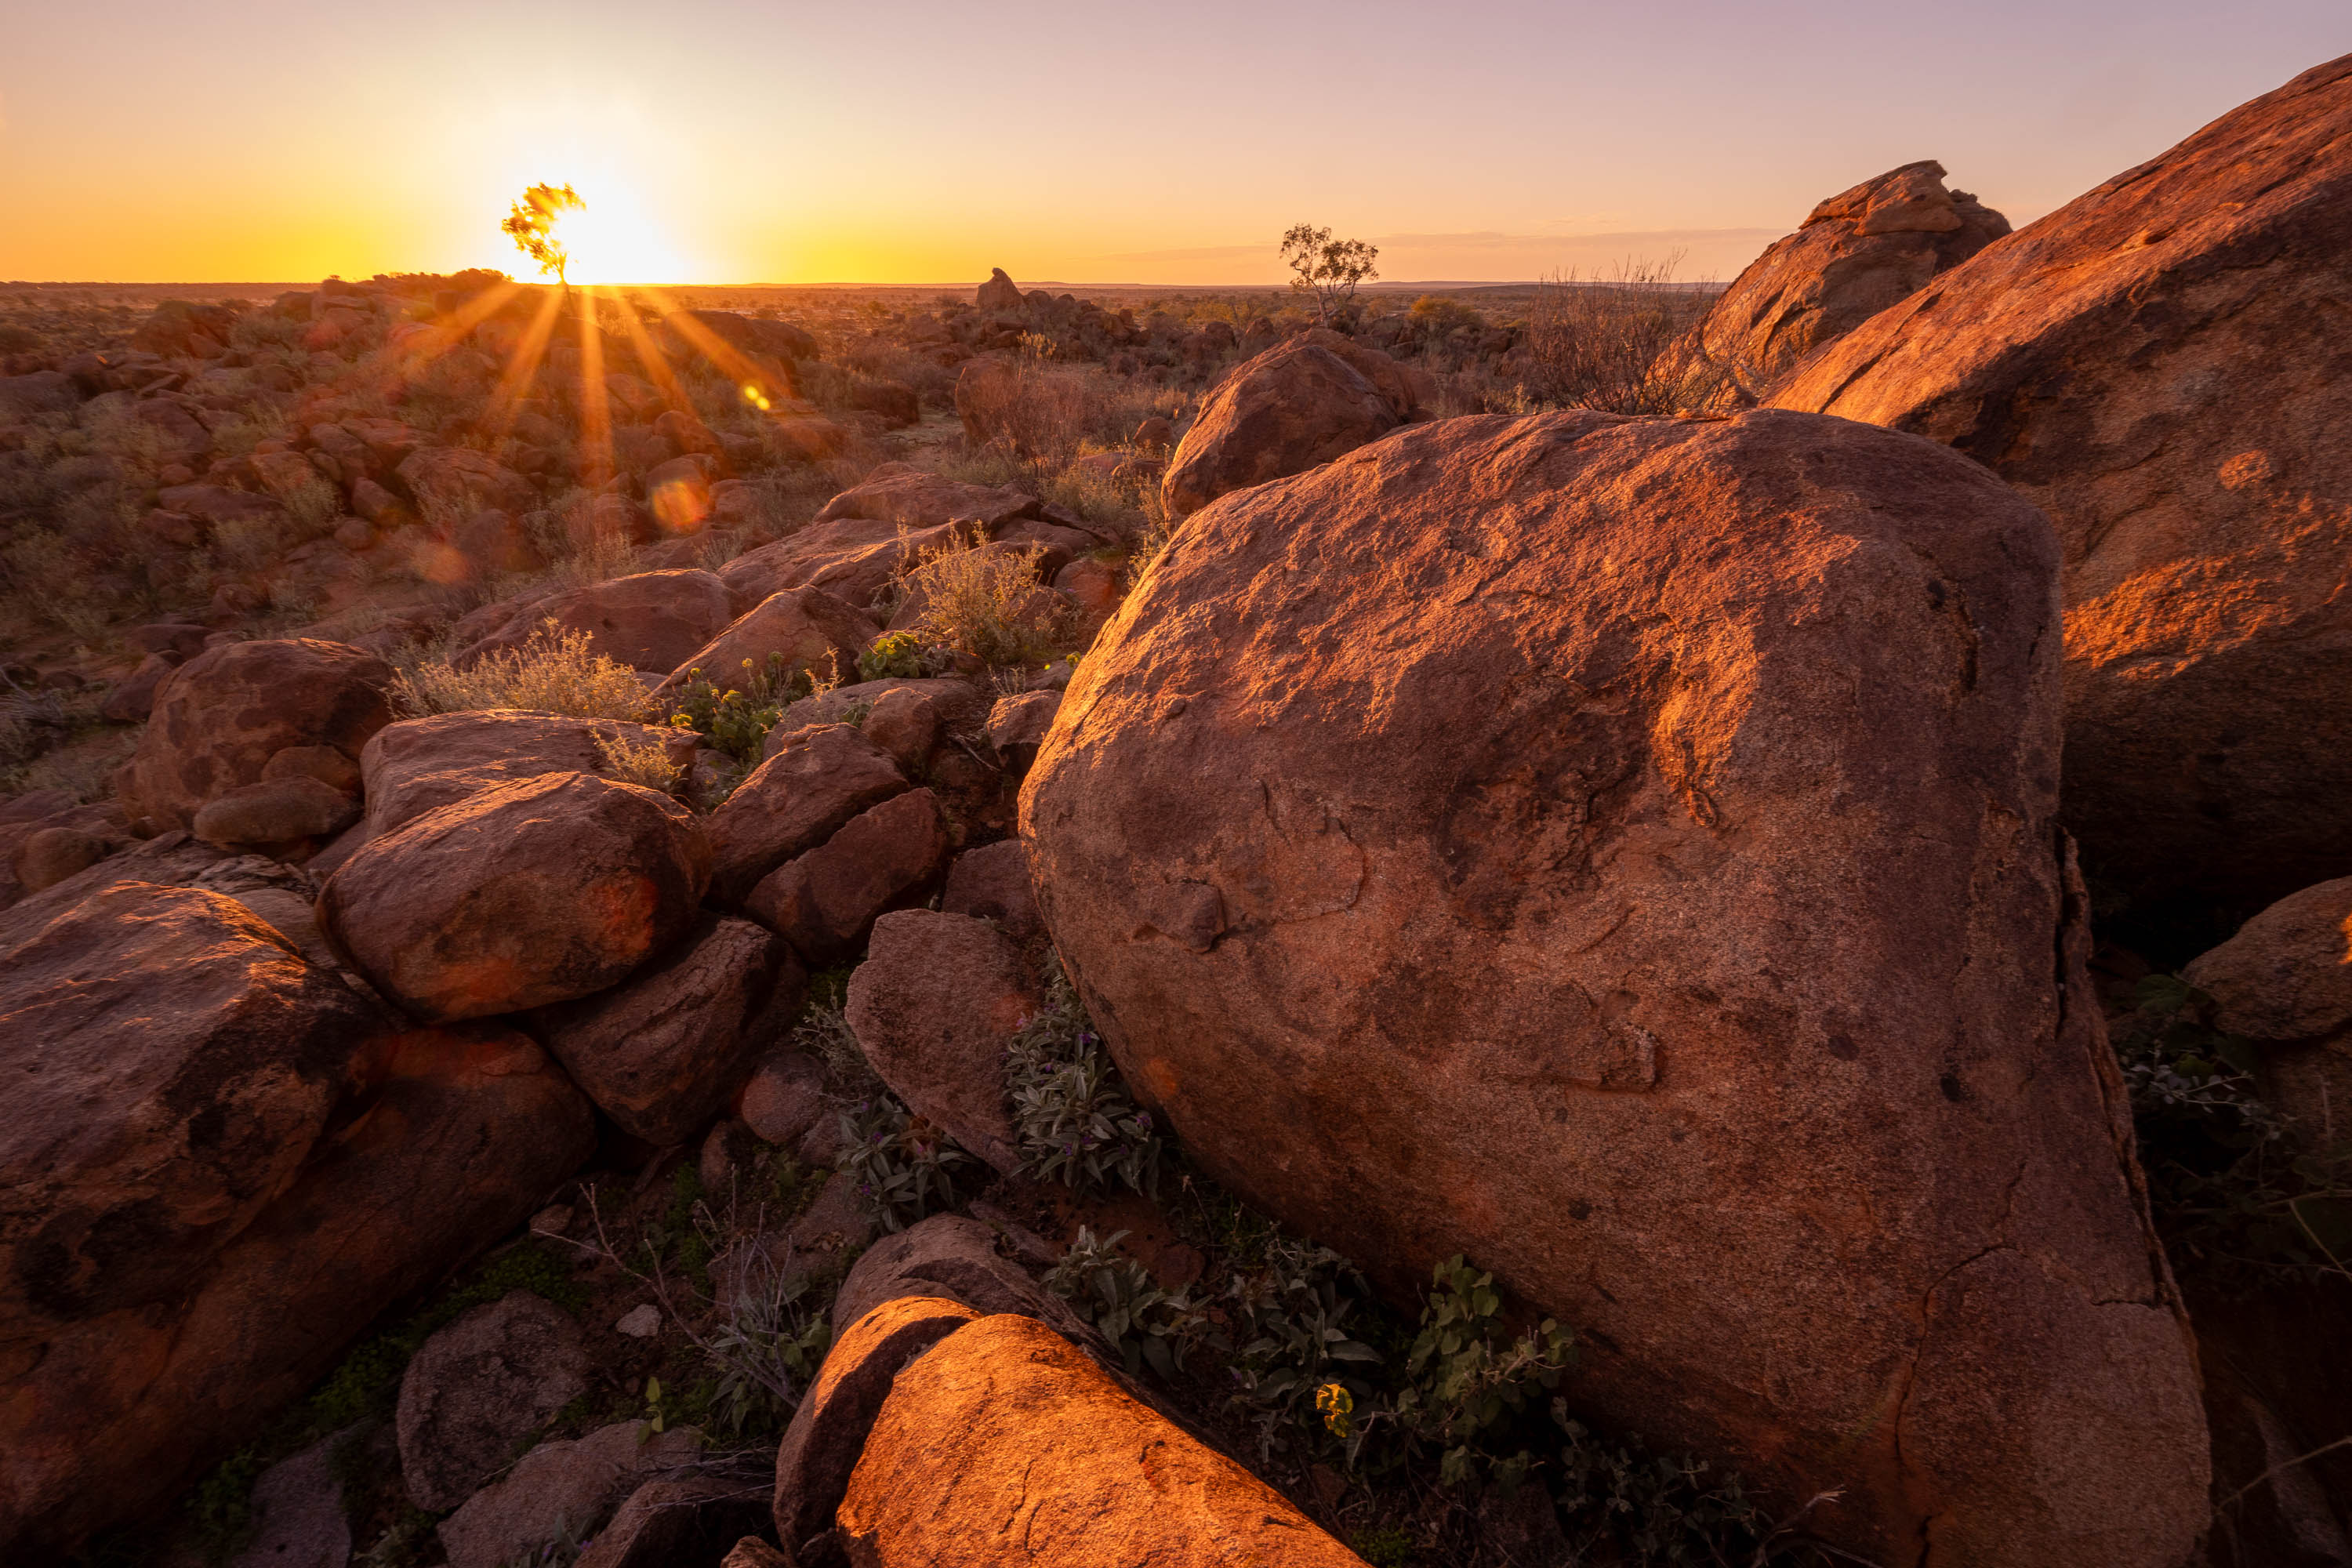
612 238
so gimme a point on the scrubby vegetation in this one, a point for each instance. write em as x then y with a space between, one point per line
554 671
2239 1197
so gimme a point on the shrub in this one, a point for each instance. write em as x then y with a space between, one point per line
1292 1315
1620 344
1075 1120
1443 313
904 1167
985 602
2236 1196
1149 1326
1045 410
767 1345
824 1032
639 762
554 671
1653 1508
737 720
895 656
1466 1374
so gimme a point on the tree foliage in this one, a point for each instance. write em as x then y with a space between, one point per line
531 226
1326 268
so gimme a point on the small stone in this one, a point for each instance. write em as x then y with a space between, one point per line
641 1323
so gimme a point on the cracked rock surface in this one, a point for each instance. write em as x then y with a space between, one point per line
1626 852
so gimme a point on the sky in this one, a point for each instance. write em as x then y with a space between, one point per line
926 141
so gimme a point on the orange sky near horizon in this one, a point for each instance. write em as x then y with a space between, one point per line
719 141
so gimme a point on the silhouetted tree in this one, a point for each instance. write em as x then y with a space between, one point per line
531 226
1328 269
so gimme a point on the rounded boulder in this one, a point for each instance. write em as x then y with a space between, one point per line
1625 852
538 891
219 719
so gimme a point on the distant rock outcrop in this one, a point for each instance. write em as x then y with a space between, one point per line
2162 366
1856 252
1516 836
1000 292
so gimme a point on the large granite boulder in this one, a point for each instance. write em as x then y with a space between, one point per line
660 1054
423 765
1302 402
1004 1443
1519 835
934 1006
808 787
809 627
2160 365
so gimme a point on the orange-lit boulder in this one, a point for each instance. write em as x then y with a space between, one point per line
1003 1443
220 717
2162 366
813 631
1855 254
520 896
1518 834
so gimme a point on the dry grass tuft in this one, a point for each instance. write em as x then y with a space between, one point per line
637 761
985 601
555 671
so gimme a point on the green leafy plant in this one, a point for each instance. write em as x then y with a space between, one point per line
1465 1375
1077 1122
736 719
904 1167
1150 1326
1298 1366
2236 1195
898 655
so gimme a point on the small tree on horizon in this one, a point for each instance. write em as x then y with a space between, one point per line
1328 269
531 226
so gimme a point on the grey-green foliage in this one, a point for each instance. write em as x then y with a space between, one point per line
1292 1318
1077 1122
1150 1326
904 1166
770 1343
